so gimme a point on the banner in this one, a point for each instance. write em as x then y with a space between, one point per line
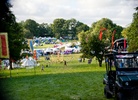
30 42
101 33
113 34
4 48
35 55
125 44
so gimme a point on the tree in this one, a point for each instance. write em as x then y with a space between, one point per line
8 24
131 33
70 28
90 43
83 38
81 27
92 46
97 48
45 30
6 17
109 25
57 27
31 27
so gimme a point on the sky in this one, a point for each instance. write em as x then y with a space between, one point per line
86 11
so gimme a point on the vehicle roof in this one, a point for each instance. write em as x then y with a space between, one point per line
119 40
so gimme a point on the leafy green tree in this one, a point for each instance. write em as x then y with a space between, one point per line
81 27
71 27
92 46
31 27
97 48
45 30
83 38
26 32
90 43
131 33
109 25
6 16
8 24
57 27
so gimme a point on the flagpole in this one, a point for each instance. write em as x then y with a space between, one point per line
10 62
10 72
112 41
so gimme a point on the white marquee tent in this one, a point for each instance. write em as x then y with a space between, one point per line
28 63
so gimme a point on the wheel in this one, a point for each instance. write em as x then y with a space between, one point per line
120 96
106 93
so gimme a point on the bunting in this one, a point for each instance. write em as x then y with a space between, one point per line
4 48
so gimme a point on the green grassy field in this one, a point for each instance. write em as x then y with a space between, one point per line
76 81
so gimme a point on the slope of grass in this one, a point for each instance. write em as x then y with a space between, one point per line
76 81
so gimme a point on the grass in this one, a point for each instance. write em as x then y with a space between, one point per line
44 46
76 81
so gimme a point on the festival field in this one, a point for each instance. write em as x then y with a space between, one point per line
76 81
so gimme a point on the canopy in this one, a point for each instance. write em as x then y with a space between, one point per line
28 63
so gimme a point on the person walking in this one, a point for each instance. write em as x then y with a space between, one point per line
65 63
42 68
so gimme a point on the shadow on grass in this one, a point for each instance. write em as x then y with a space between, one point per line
59 86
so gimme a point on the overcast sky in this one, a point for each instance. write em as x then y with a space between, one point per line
86 11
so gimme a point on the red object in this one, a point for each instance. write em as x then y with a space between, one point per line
35 55
4 46
113 37
101 33
124 43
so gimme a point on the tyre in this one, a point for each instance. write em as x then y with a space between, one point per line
120 96
106 93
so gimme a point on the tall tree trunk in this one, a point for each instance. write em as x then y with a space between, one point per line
10 63
100 62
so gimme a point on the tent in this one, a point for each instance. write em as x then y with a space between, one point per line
28 63
48 51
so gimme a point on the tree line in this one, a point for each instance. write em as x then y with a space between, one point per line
59 28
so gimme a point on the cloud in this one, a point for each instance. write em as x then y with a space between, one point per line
86 11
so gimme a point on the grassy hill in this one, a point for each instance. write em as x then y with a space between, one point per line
76 81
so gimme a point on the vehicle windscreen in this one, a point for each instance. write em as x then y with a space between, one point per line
126 61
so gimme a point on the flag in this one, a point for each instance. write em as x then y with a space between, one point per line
113 37
4 48
35 55
101 33
124 44
31 45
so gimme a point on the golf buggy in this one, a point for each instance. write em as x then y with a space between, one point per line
121 78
